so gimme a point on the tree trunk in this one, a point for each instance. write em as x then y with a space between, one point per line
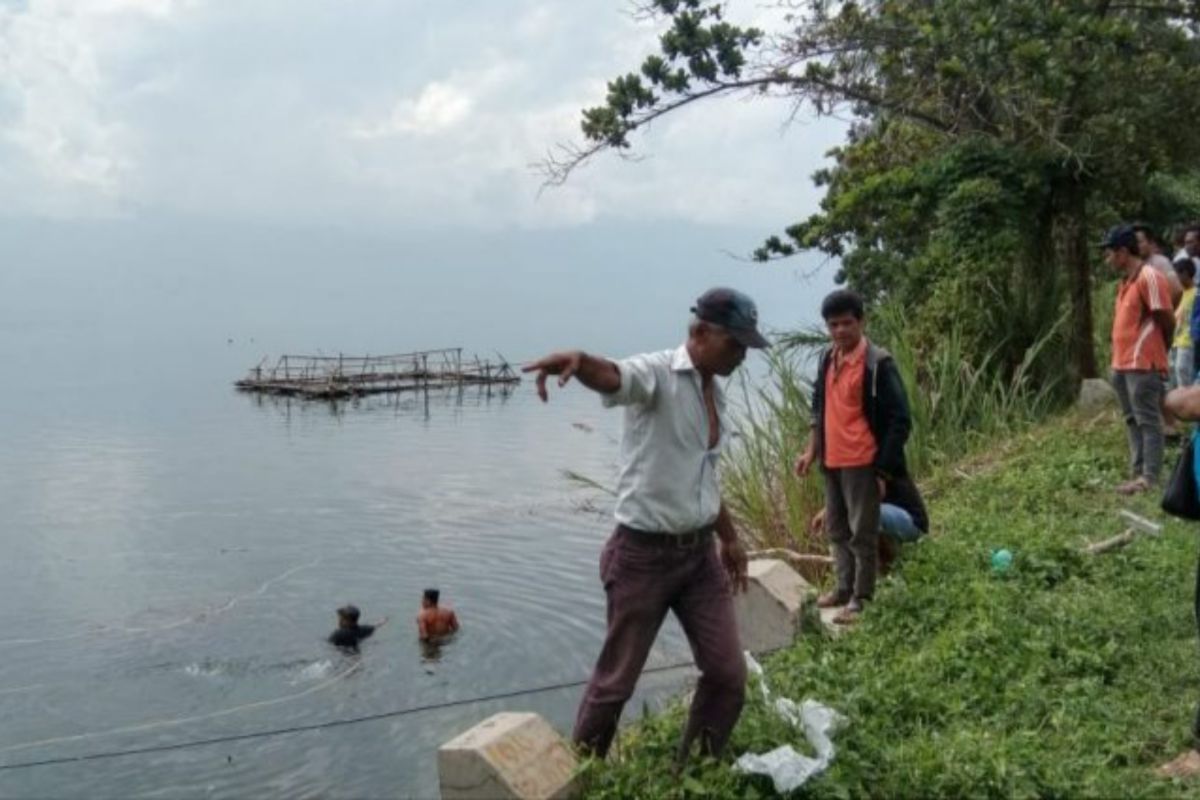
1073 247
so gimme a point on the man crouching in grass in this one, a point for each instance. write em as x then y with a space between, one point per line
1184 404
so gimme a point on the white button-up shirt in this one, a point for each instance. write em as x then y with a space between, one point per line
669 481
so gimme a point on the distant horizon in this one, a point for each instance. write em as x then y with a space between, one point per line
613 286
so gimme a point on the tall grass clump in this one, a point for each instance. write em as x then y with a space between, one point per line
959 405
773 425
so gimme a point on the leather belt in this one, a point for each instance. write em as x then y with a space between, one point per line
686 540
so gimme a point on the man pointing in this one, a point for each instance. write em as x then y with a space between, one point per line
662 556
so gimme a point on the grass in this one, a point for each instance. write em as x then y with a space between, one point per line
1068 676
959 404
771 504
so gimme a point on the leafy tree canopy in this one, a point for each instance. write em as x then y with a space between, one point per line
990 141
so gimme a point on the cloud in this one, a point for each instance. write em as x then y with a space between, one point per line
439 106
55 83
371 114
152 8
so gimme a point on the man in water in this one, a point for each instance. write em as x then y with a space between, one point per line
434 621
662 556
349 633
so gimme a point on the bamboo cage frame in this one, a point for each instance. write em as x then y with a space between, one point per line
341 376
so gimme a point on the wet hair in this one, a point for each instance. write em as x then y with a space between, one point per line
843 301
349 612
1185 268
432 595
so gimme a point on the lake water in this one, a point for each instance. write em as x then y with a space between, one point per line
173 551
183 561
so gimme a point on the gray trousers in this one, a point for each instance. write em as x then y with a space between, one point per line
852 521
1140 393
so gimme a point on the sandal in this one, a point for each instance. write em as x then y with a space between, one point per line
1186 765
850 614
1135 486
832 600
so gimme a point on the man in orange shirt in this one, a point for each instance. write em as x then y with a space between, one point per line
860 424
1143 326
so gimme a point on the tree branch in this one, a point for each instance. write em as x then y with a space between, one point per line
556 170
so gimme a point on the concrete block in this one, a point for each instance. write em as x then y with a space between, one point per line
509 756
768 613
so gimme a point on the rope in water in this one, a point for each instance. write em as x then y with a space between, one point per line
336 723
199 617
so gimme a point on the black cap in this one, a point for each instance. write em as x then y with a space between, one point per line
1121 236
733 311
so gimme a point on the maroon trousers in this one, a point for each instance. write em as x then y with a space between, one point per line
643 579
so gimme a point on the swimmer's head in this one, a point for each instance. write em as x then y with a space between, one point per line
348 616
430 599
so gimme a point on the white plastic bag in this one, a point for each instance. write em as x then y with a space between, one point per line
788 769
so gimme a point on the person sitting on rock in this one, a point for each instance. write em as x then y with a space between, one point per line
349 633
433 621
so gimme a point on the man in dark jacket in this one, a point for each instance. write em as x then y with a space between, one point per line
860 426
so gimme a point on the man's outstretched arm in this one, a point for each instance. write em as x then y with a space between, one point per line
596 373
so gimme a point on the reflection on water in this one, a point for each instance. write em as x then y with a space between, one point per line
422 402
170 572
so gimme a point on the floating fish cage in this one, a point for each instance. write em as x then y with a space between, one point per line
341 376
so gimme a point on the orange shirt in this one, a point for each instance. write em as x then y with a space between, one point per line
848 438
1137 341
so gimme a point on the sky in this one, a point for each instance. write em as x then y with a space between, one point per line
372 120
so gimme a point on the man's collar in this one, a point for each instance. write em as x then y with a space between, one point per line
1130 275
681 360
854 356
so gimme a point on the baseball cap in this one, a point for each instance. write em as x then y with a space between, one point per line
733 311
1119 236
